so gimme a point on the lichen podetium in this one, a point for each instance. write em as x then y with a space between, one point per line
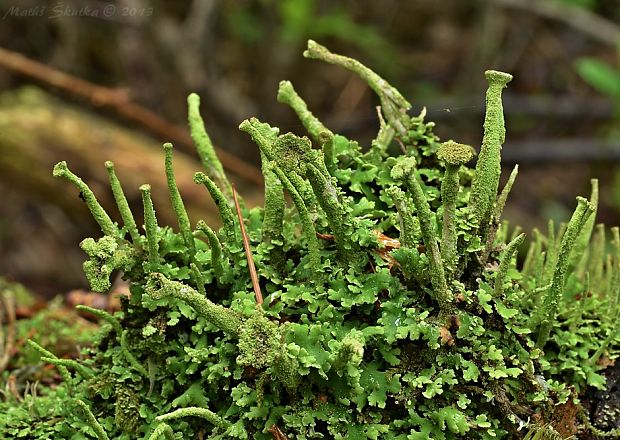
389 300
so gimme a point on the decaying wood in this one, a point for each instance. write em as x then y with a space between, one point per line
39 131
119 101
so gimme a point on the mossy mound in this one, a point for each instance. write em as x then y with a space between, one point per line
384 303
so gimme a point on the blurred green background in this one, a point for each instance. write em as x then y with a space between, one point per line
562 108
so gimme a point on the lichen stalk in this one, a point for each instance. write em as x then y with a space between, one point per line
101 314
92 421
528 262
204 146
159 287
503 196
382 141
198 278
83 371
99 214
216 248
327 196
553 295
194 411
597 256
150 226
581 246
295 156
504 264
405 171
287 95
306 221
64 372
177 202
123 205
265 137
273 213
162 429
223 206
326 140
454 155
488 168
407 224
552 253
393 104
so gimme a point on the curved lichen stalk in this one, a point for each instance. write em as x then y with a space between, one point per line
159 287
393 104
99 214
265 136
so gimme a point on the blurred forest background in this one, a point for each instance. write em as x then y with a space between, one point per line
132 63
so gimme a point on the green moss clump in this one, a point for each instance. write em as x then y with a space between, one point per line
395 306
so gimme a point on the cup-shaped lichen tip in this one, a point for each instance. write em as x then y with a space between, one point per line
403 168
314 49
325 137
146 188
454 153
285 89
167 146
200 177
109 164
497 77
60 169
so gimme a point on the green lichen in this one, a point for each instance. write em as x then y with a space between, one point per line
204 146
226 213
105 256
488 167
160 287
101 217
454 155
552 297
405 171
177 202
150 227
395 305
121 202
288 95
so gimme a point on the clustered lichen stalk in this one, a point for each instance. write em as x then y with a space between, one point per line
552 297
405 171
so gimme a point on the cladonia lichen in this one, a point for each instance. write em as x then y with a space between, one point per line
372 297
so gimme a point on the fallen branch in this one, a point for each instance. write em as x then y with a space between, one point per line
119 101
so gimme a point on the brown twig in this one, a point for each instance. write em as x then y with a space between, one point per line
248 251
119 101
